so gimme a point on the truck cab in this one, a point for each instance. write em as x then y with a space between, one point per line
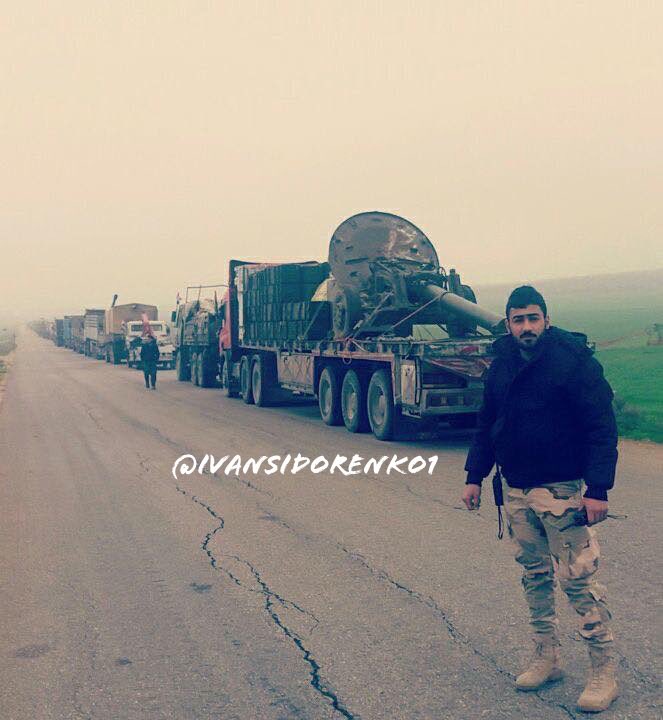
160 330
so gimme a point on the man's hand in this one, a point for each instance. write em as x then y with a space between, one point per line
472 497
597 510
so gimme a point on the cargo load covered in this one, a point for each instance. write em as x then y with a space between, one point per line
119 314
276 303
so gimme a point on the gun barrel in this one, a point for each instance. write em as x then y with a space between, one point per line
466 309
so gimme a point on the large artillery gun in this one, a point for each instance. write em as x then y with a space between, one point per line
386 277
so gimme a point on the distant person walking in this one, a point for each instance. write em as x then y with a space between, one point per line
149 356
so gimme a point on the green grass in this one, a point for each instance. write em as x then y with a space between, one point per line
636 376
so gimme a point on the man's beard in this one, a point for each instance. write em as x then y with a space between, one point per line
528 341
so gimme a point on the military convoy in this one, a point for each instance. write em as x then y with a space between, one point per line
114 334
378 332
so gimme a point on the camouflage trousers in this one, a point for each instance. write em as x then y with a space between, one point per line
549 547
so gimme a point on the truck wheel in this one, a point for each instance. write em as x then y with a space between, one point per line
205 370
182 370
353 403
329 397
263 379
245 380
227 382
380 402
194 369
205 377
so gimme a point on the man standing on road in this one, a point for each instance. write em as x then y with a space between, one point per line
149 355
547 422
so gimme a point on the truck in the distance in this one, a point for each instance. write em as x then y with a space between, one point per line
114 342
93 332
348 331
196 326
77 339
59 332
134 341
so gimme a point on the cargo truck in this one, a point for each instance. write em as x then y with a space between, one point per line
134 341
66 331
59 332
93 332
77 338
114 342
196 326
349 331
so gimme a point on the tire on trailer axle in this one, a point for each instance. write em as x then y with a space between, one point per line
382 414
245 380
263 379
329 396
353 402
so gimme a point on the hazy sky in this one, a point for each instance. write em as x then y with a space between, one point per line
143 144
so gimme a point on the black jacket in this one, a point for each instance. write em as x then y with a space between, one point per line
149 352
546 420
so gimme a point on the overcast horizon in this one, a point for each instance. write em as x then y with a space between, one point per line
145 145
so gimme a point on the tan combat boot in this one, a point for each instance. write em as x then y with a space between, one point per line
545 666
601 689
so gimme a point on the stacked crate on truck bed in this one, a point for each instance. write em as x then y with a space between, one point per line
277 303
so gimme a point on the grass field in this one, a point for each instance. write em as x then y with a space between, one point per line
636 376
613 311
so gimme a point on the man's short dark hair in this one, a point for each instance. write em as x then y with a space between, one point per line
526 295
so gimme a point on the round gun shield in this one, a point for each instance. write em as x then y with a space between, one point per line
372 236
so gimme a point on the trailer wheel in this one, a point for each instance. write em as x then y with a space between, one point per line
194 369
382 413
200 370
245 380
227 381
263 379
182 370
353 403
329 397
206 373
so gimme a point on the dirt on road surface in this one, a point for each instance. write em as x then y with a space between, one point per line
129 594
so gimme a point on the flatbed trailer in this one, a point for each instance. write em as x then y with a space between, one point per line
370 383
364 383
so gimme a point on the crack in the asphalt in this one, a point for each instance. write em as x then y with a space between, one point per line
242 481
645 679
437 501
316 680
94 418
270 596
453 631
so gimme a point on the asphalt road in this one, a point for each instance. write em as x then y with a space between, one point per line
128 594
